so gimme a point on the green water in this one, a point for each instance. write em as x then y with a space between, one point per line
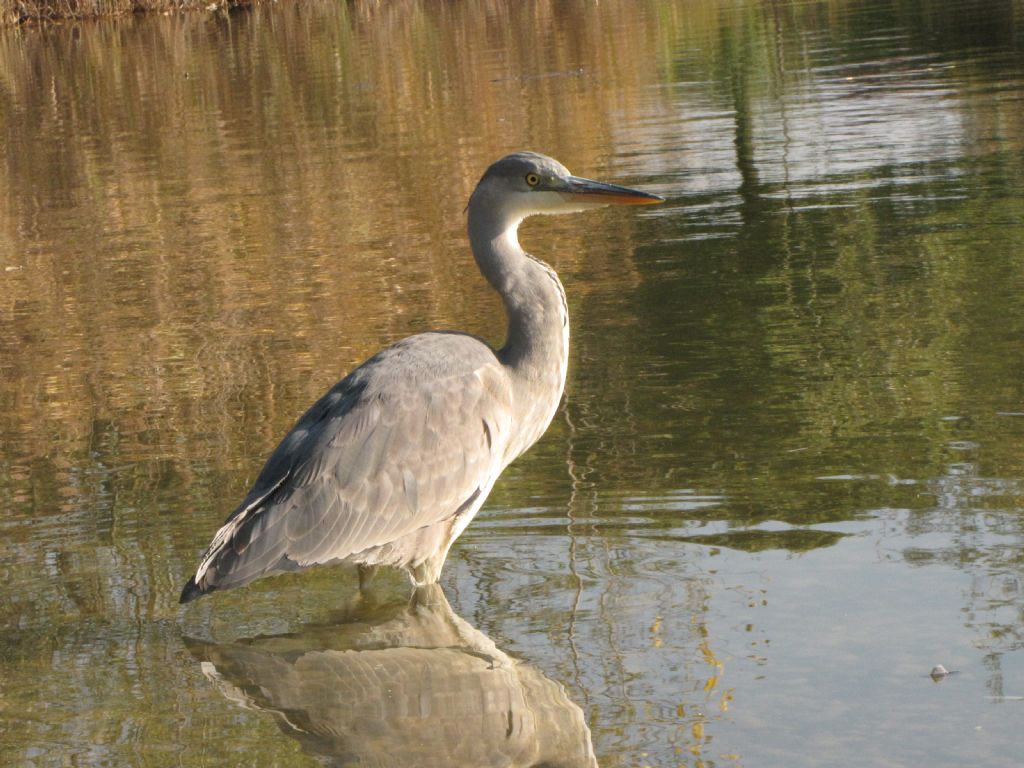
788 476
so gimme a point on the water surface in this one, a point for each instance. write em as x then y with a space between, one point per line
788 477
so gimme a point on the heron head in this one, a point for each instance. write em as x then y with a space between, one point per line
525 183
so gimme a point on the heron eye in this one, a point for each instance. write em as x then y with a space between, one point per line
532 179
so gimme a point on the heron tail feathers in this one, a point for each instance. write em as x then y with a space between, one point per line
191 592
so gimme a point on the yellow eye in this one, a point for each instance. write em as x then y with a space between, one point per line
532 179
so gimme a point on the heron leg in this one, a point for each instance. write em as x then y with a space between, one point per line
429 571
367 573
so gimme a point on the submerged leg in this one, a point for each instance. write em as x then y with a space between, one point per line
367 573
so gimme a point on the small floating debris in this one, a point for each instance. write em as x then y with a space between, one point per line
940 673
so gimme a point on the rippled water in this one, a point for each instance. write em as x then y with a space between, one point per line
788 477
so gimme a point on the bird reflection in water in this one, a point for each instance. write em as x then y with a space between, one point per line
407 683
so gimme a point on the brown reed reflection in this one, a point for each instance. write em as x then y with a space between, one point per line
402 684
183 211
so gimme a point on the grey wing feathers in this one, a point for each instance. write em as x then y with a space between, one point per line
398 445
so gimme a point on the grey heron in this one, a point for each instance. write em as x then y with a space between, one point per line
390 466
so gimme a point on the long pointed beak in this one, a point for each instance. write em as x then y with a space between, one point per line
598 192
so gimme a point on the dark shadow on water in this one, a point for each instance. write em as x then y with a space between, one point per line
400 682
793 540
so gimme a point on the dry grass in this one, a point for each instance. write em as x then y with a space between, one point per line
14 12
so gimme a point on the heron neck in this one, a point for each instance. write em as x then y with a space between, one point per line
536 348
